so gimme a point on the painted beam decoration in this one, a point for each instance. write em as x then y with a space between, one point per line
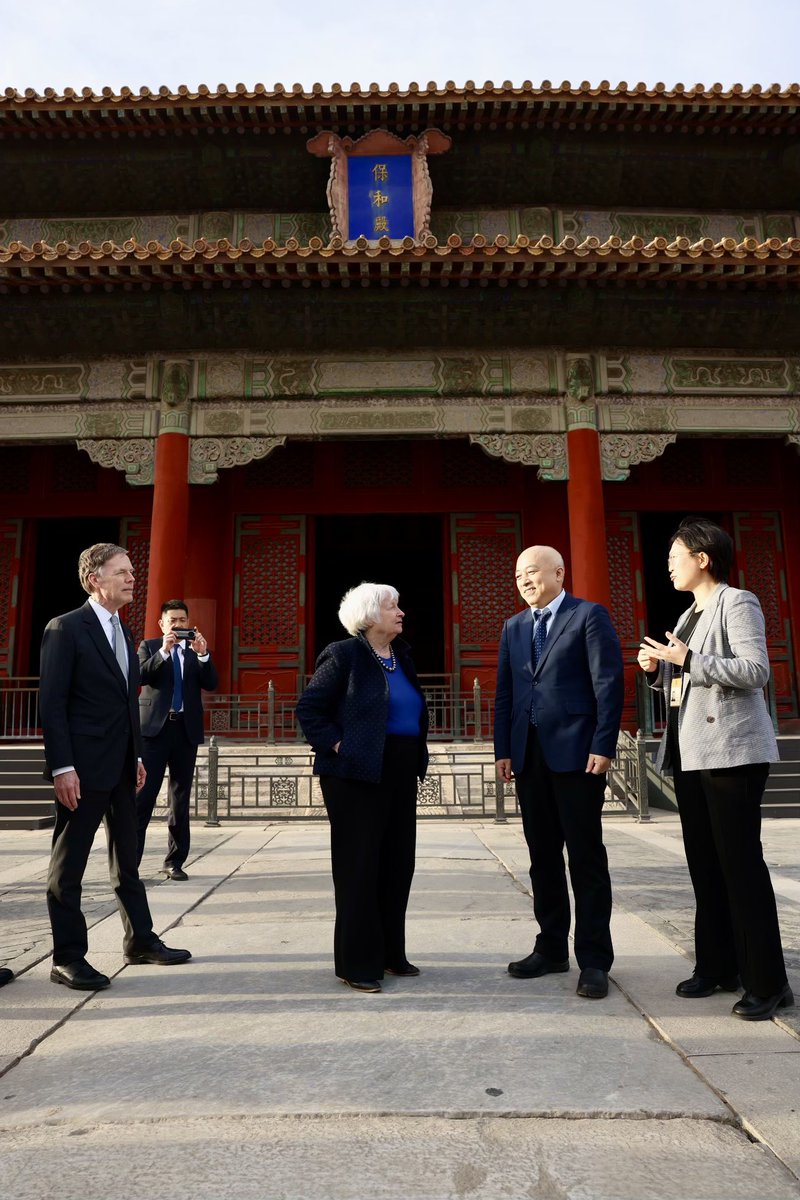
379 186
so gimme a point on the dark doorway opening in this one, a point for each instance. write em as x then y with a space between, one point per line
403 551
56 588
664 605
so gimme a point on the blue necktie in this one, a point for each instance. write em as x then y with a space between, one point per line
177 681
540 618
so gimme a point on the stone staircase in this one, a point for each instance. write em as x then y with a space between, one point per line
782 797
26 798
782 794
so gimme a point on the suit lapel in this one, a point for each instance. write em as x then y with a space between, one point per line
560 621
98 636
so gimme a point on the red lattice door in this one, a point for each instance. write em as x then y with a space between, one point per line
10 552
269 604
626 575
134 535
761 568
483 550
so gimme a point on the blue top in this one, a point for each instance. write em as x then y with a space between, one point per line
405 703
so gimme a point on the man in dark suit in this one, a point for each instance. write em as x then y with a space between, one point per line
90 721
174 671
557 715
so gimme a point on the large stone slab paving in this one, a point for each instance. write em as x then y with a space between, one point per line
252 1072
771 1084
392 1158
36 1006
259 1023
753 1065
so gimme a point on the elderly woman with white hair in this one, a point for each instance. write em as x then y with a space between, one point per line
365 716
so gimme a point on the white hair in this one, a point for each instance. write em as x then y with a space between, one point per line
361 606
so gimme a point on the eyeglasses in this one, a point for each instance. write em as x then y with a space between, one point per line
673 558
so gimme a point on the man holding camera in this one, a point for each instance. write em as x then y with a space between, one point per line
174 670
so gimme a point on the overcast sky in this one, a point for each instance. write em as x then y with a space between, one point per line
92 43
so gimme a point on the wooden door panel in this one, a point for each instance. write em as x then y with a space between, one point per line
626 574
269 604
761 568
10 553
134 535
483 550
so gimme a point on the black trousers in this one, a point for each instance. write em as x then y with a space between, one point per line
171 749
373 841
72 840
564 808
736 924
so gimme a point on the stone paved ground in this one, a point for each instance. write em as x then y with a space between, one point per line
252 1073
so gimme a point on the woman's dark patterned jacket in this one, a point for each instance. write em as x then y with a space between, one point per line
347 701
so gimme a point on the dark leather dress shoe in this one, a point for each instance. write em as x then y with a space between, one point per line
5 975
705 985
593 983
407 969
363 985
158 954
535 965
79 975
761 1008
176 873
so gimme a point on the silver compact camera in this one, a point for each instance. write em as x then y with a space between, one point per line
185 635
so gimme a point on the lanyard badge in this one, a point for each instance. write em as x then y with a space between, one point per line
676 691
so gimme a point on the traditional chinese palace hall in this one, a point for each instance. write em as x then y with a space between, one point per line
279 341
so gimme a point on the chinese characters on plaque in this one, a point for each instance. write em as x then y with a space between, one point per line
381 197
379 185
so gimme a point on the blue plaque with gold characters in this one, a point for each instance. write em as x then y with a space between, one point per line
381 197
379 186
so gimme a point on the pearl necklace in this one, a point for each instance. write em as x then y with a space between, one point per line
390 666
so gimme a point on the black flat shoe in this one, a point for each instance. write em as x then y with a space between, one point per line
176 873
158 954
407 969
5 976
593 983
363 985
762 1008
535 965
700 986
79 975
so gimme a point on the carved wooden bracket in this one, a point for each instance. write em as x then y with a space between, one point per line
547 451
621 451
136 457
378 142
209 455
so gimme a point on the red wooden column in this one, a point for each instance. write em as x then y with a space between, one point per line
169 527
587 528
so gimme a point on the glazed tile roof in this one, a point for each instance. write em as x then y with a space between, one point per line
637 106
458 261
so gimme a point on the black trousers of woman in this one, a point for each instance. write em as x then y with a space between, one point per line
373 841
736 923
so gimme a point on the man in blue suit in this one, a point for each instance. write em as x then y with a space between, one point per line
557 714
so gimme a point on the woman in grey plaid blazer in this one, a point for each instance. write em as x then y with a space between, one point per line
718 745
